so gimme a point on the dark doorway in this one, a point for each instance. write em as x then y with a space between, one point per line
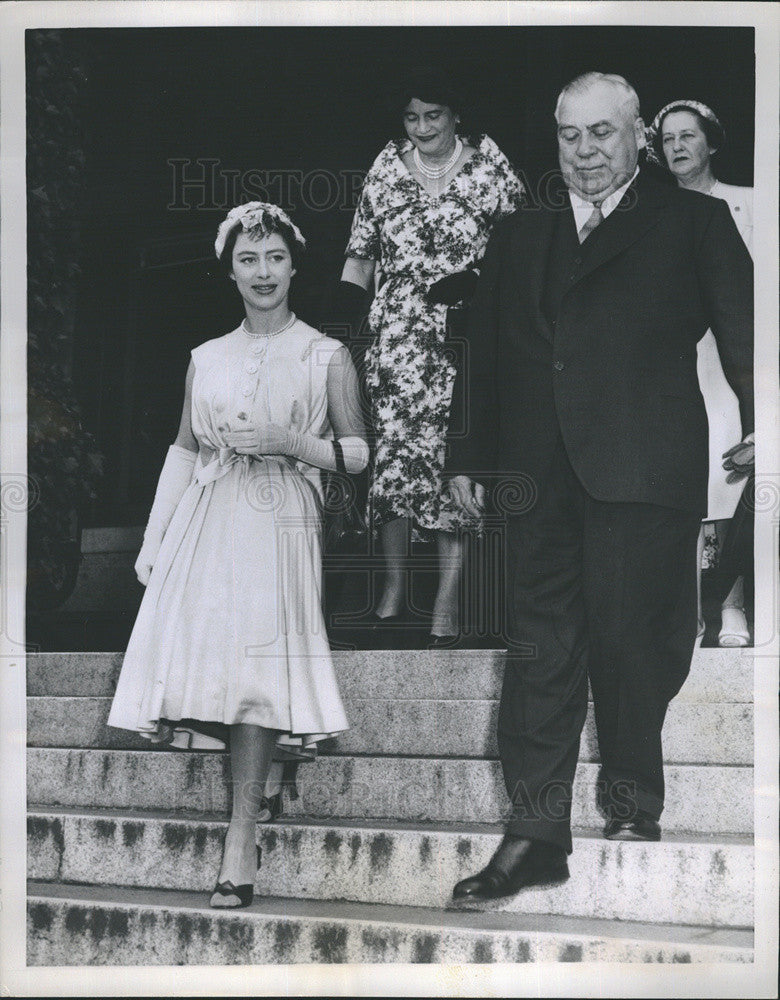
180 124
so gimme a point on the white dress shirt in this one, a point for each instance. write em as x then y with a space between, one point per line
584 209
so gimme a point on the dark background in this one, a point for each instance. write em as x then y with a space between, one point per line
298 99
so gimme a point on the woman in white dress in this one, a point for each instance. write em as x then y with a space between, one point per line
684 137
229 647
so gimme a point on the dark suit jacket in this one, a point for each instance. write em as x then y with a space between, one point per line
616 374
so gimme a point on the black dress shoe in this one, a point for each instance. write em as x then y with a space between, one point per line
640 827
517 864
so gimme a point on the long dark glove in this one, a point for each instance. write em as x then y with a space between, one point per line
345 312
454 288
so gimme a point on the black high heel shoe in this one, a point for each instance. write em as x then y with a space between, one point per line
403 631
272 805
380 624
227 891
387 632
443 641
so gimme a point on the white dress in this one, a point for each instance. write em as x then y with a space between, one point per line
230 628
719 398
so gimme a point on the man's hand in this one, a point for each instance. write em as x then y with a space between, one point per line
468 496
270 439
740 460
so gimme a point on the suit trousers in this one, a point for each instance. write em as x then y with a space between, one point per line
599 589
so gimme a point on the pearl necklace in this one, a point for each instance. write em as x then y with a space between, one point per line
435 173
266 336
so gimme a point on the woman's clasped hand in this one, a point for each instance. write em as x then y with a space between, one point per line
739 461
267 439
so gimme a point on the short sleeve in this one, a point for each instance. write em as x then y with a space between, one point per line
509 187
511 191
364 238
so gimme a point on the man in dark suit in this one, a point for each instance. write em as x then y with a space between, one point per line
581 380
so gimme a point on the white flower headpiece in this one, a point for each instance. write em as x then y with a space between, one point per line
652 130
251 217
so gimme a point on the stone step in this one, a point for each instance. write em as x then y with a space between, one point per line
717 675
694 733
705 882
89 925
708 800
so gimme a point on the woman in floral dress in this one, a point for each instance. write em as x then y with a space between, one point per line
425 215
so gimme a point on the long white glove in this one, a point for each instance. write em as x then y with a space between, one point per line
174 479
272 439
319 451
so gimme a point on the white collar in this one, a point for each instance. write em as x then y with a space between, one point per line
584 209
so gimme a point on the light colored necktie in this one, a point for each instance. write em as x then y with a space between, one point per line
595 219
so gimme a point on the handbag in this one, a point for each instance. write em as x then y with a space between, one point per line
343 524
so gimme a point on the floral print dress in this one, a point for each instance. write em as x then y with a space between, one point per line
417 238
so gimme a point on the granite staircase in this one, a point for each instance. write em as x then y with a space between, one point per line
124 840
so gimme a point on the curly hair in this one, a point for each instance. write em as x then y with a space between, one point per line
713 130
429 85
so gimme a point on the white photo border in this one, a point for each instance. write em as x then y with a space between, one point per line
16 979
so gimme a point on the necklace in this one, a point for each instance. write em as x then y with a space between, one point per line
274 333
434 173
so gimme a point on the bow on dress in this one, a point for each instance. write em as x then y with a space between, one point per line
223 460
